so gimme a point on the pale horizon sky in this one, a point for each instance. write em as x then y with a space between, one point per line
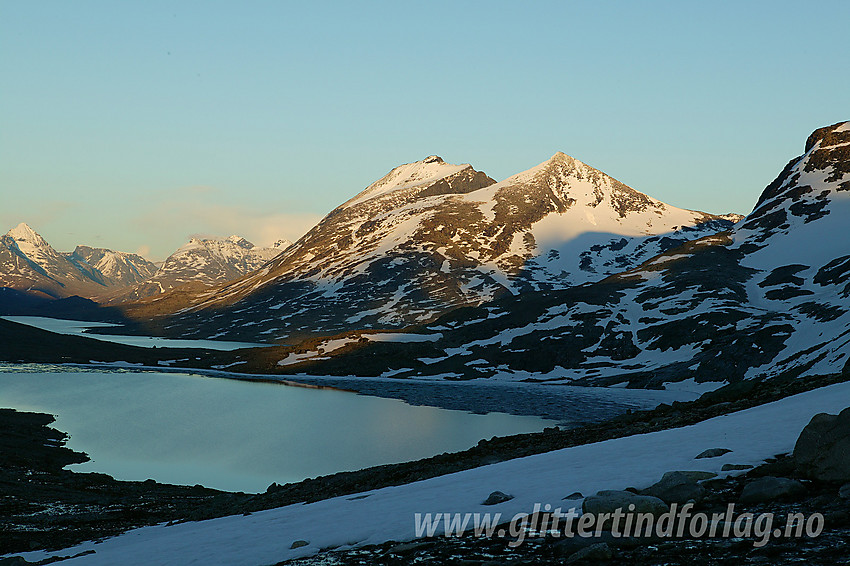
135 125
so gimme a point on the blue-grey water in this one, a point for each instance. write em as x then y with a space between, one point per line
236 435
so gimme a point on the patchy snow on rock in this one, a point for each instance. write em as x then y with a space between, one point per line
409 175
432 236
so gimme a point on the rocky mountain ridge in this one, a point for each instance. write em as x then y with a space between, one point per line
429 237
767 298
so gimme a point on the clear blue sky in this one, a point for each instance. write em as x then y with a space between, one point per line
135 124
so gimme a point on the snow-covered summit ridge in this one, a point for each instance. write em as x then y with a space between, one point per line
28 262
28 255
23 233
410 175
240 241
122 267
814 186
225 249
431 236
566 182
30 244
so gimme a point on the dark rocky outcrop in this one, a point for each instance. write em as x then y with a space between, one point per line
770 488
822 451
497 497
679 487
608 501
712 453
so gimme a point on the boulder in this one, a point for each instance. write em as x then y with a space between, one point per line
298 544
822 451
676 487
609 501
497 497
770 488
712 453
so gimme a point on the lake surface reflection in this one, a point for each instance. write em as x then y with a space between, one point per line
236 435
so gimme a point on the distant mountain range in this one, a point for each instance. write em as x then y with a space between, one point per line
29 264
202 262
430 237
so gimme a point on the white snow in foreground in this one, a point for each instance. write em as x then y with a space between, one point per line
388 514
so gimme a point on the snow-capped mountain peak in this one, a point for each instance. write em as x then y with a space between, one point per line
431 236
559 158
119 268
565 182
30 246
417 174
811 187
25 236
